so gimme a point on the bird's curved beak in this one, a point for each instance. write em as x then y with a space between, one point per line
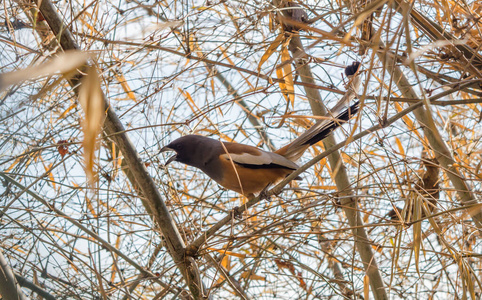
172 158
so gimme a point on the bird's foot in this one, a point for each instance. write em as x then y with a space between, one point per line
237 213
264 193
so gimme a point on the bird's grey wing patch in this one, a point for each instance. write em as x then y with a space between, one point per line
263 160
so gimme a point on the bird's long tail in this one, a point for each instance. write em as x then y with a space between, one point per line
316 133
324 127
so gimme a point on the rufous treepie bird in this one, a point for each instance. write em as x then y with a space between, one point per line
247 169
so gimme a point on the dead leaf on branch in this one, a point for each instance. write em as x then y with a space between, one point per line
91 100
62 64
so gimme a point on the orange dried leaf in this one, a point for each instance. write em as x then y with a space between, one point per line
114 268
18 248
249 275
282 85
226 56
125 86
117 161
230 253
72 106
301 280
90 206
213 89
51 176
400 146
253 90
226 262
190 100
324 187
366 287
288 74
271 49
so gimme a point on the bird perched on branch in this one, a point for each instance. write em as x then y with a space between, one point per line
249 170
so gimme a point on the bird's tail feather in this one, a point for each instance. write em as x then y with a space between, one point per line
331 125
316 133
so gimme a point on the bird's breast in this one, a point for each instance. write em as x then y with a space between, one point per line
248 181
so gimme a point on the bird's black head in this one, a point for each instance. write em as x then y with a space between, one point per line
351 69
193 150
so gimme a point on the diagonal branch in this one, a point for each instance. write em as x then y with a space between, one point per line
114 128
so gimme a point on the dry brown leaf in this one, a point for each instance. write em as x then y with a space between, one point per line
63 63
62 147
91 100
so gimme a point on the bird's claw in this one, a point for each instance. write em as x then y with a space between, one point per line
237 214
